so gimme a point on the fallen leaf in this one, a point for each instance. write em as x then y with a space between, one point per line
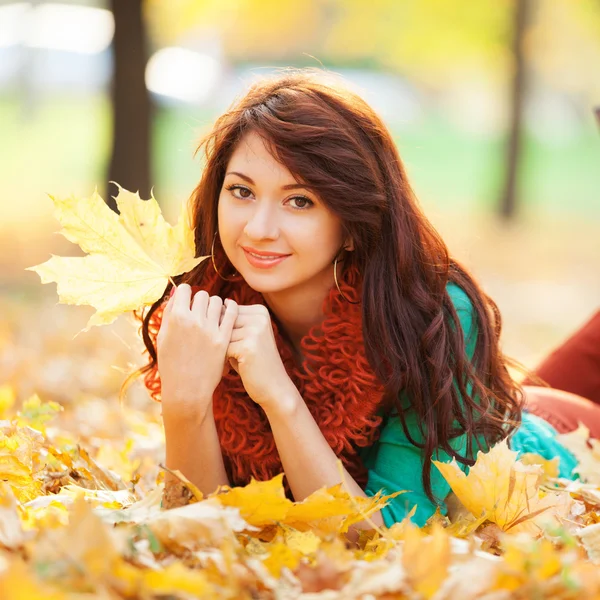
305 542
504 490
7 399
527 561
587 452
590 538
196 525
12 535
426 559
550 467
259 502
17 582
83 553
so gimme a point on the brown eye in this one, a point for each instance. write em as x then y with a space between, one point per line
240 189
301 202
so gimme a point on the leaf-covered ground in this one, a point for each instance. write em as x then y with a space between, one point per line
81 486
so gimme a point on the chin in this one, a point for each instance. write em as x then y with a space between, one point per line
266 284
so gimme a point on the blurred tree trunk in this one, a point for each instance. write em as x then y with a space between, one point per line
509 199
130 159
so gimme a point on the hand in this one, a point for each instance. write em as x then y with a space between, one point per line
191 350
253 353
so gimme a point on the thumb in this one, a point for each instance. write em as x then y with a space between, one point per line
234 363
169 304
226 367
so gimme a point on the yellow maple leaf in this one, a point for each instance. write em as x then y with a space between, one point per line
281 555
335 501
18 582
131 256
260 502
305 542
426 559
11 529
175 579
17 474
86 548
8 398
527 561
550 467
36 414
503 489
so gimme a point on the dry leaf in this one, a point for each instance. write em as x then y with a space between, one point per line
130 258
12 535
527 561
503 489
588 456
550 467
197 525
426 559
590 537
17 582
259 503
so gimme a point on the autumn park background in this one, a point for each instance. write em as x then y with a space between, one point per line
494 105
491 104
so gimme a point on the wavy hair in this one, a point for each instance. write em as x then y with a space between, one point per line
333 142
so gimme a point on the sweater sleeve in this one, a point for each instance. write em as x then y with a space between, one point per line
396 464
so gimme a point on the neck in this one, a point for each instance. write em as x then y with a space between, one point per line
298 309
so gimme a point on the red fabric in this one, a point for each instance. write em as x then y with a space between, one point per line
563 410
575 365
335 380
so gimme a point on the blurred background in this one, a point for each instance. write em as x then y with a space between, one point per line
491 104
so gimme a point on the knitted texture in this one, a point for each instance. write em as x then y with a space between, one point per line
335 380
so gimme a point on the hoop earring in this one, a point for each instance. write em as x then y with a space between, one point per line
337 285
212 256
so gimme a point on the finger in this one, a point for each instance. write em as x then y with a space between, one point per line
226 366
229 318
200 304
234 364
182 295
247 319
237 334
169 306
234 352
253 309
213 313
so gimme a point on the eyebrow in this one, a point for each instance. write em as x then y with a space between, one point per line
290 186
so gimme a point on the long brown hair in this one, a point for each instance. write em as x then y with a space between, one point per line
337 146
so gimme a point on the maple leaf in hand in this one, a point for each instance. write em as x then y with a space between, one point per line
131 256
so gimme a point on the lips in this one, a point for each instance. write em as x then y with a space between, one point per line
264 261
263 254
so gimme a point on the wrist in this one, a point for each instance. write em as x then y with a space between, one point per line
188 414
285 404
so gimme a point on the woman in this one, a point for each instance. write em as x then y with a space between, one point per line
351 332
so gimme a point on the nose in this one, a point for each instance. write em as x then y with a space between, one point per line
262 222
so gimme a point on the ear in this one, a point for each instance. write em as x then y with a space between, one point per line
349 245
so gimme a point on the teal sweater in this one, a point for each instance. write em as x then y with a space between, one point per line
396 464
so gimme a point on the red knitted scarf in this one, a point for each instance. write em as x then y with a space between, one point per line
335 381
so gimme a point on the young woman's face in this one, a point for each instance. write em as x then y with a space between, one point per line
263 209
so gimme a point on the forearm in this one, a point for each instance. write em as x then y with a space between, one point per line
193 447
308 460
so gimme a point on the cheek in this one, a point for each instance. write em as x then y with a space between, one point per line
227 222
324 236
